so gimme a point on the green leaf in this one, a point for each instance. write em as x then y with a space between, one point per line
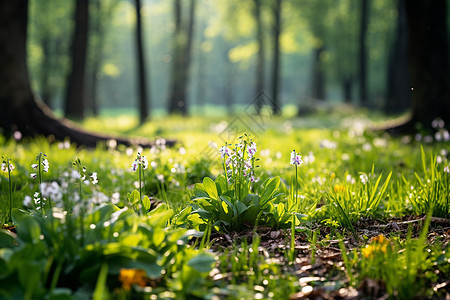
233 208
133 197
210 187
202 263
221 183
6 239
101 291
146 203
269 190
28 230
241 207
199 190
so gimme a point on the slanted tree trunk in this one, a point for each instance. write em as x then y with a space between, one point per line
398 97
363 98
19 110
259 84
141 67
276 106
75 94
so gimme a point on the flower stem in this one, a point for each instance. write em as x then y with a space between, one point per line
10 191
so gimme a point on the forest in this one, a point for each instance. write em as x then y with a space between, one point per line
239 149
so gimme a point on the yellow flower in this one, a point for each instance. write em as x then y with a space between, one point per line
339 188
378 245
128 277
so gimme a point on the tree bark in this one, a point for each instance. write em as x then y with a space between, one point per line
75 94
259 84
45 71
141 67
428 62
276 109
318 75
428 57
398 98
182 48
19 110
363 52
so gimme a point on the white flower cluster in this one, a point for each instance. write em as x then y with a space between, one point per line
242 157
140 160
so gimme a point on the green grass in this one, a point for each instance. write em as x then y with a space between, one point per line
110 223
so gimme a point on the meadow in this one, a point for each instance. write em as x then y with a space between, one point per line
319 207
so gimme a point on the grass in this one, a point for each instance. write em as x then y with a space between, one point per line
171 233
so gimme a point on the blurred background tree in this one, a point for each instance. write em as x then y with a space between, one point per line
220 54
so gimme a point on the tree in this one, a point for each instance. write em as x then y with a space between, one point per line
364 21
182 47
140 60
428 61
259 84
276 56
19 109
75 93
398 98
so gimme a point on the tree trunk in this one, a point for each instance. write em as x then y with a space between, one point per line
347 89
75 98
175 80
276 109
18 109
259 84
428 58
398 97
182 48
428 64
318 75
45 71
97 36
363 52
140 60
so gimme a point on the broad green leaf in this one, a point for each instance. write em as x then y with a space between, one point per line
133 197
221 183
199 190
28 230
203 262
225 207
233 208
146 203
210 187
241 207
269 190
6 239
158 236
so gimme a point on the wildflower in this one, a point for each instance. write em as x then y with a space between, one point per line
339 188
27 201
94 178
45 164
224 151
33 175
115 198
251 149
350 179
34 166
5 168
364 178
134 165
378 246
129 277
447 169
295 158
